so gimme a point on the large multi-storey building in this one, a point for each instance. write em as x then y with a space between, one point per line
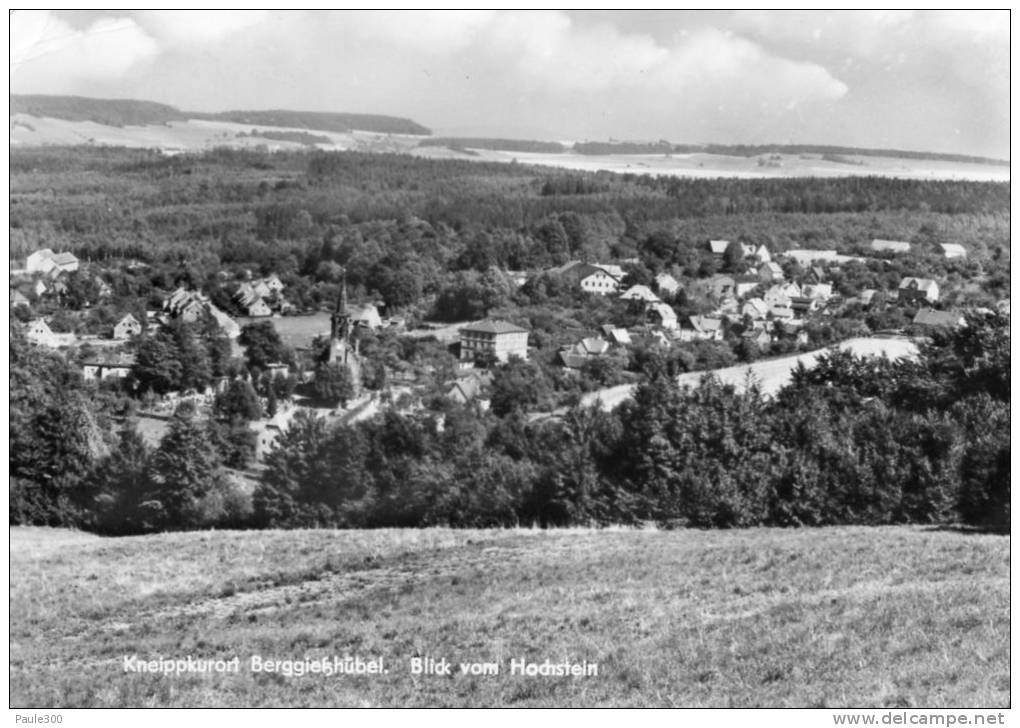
501 339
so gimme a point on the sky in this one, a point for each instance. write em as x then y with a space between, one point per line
919 80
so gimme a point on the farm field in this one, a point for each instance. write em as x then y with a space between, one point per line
835 617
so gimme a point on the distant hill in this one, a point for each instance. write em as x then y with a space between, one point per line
319 121
110 112
131 112
498 145
754 150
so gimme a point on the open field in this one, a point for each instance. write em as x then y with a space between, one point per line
198 135
837 617
297 332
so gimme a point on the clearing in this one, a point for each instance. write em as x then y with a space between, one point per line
834 617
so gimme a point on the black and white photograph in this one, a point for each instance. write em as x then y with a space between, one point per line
510 359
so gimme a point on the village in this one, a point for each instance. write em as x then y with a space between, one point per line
768 309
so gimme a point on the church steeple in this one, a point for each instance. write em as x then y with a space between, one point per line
340 321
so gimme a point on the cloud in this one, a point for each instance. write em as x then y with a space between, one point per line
545 52
48 54
192 28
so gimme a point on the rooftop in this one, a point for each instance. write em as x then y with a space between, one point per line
495 327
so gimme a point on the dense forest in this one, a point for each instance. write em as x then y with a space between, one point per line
848 442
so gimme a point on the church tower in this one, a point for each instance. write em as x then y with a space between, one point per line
342 353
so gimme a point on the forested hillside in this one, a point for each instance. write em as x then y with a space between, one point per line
125 112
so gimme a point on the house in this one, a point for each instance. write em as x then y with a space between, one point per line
755 309
890 246
40 289
759 337
742 285
667 284
258 308
867 296
277 369
931 318
591 277
702 328
469 387
500 339
620 337
802 305
640 293
664 315
759 252
816 274
777 296
762 254
18 299
39 332
780 313
817 291
46 261
917 290
464 389
107 366
770 272
127 328
718 247
274 284
366 316
574 357
953 250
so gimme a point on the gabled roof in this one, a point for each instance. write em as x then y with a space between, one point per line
592 346
614 270
705 323
953 250
718 246
640 293
227 325
667 282
64 258
618 336
921 284
571 360
490 326
758 307
781 312
663 310
817 290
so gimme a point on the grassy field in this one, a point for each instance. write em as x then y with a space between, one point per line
837 617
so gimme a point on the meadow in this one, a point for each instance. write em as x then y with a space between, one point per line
833 617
